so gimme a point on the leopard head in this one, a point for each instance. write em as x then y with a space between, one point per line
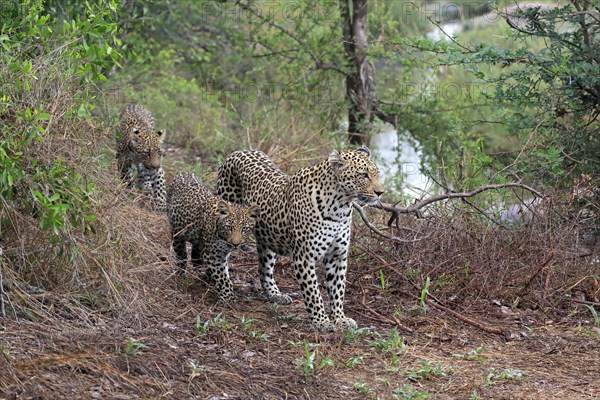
147 146
235 223
357 175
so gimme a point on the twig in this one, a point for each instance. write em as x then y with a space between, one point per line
536 273
380 232
396 211
384 319
591 303
485 328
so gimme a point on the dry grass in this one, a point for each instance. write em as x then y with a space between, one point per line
108 319
102 315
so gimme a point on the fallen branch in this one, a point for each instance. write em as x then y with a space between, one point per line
382 318
485 328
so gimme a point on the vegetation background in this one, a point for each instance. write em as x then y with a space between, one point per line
497 288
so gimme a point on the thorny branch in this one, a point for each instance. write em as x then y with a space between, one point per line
395 210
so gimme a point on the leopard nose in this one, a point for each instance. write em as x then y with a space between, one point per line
379 192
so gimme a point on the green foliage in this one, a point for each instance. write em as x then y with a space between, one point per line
394 343
50 64
219 322
547 94
306 363
423 297
355 360
427 370
195 370
201 328
362 387
352 334
495 376
133 347
408 392
473 355
218 74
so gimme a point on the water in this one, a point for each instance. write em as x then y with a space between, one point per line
401 160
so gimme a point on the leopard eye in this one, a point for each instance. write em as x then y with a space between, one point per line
365 174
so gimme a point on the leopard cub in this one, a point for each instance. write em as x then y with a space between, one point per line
212 225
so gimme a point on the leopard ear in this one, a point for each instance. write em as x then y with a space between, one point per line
223 208
335 159
253 211
161 135
364 149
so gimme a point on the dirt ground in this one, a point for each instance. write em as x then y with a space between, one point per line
187 346
172 339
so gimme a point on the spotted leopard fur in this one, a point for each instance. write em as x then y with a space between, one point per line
140 147
212 225
306 216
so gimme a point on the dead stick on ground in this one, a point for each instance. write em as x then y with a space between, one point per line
385 319
486 328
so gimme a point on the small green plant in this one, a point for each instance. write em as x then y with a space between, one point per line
274 307
475 396
473 355
201 328
247 323
394 343
196 370
362 387
398 312
594 314
306 364
394 361
423 298
259 335
326 361
382 283
427 370
407 392
354 361
495 376
351 334
221 322
248 326
133 347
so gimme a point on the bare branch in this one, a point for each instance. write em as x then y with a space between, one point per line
386 235
396 211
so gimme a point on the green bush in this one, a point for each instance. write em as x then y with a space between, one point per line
49 64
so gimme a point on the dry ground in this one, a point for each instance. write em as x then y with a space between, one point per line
186 346
161 336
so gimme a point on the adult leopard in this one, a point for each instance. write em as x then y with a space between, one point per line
212 225
306 216
140 146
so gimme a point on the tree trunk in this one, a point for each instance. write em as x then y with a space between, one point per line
360 83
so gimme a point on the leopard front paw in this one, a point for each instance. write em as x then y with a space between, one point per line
280 299
323 326
345 323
